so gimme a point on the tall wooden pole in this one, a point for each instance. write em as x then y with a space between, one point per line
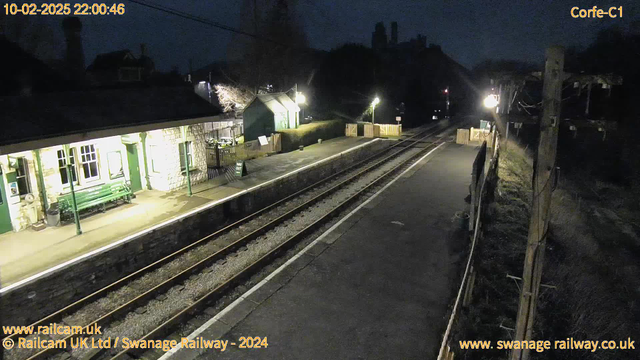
542 178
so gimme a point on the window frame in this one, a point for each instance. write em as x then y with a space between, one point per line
119 174
62 169
153 153
25 176
181 149
87 159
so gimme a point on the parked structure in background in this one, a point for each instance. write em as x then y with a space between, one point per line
268 113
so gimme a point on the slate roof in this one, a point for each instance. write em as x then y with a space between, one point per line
114 60
40 116
21 70
276 102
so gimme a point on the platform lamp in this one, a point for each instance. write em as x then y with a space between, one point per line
74 202
375 102
300 99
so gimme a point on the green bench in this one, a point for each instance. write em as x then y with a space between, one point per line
94 196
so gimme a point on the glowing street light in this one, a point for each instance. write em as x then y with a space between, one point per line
375 102
300 98
491 101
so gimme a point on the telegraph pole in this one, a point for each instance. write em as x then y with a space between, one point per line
542 182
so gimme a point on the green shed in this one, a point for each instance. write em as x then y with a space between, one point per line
268 113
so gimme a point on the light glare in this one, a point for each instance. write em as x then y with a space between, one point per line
491 101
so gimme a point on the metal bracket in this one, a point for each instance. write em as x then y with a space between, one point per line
516 279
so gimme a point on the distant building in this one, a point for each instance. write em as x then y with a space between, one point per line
420 73
268 113
120 67
394 34
379 37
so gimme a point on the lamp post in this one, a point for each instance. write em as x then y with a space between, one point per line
446 91
375 102
74 202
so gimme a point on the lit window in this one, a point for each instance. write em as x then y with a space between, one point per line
114 160
189 155
62 165
89 159
22 176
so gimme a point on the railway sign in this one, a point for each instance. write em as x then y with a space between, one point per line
398 118
241 168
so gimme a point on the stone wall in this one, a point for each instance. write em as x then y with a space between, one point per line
164 153
49 293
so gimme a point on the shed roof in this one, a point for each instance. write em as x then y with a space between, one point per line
276 102
42 116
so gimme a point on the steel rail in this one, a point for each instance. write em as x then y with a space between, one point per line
251 269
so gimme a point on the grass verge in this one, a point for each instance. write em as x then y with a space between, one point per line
592 258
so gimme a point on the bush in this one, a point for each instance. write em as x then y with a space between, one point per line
308 134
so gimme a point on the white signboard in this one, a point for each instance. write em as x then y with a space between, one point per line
263 140
398 118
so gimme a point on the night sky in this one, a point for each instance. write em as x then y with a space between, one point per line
469 31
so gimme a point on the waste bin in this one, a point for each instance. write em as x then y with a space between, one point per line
53 215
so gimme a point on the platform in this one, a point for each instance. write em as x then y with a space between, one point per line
377 285
27 253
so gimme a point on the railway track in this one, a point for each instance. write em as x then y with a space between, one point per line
212 254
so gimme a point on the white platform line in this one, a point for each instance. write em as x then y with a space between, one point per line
257 286
170 221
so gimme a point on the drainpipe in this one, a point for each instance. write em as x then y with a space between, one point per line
184 130
43 191
186 163
143 137
76 216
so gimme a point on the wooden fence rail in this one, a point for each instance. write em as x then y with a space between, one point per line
481 188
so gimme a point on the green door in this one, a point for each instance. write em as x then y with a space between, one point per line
5 217
134 167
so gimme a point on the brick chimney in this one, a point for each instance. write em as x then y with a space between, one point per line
72 27
394 33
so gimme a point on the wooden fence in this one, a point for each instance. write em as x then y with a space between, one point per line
390 129
228 156
483 180
475 136
351 130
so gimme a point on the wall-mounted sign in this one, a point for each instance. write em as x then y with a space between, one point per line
13 189
263 140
